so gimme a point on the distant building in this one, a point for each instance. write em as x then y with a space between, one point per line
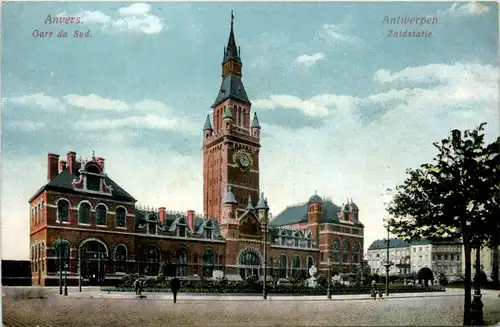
487 261
408 258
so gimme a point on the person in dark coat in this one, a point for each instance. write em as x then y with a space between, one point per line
175 285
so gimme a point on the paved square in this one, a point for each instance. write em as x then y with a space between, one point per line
79 312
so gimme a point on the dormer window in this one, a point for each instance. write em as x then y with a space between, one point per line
208 230
151 227
93 178
181 228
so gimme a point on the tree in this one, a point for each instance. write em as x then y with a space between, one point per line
456 196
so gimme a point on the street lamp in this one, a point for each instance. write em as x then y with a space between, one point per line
387 264
79 270
329 290
263 212
66 278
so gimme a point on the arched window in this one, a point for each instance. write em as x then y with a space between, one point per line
309 240
336 251
296 271
36 258
181 261
93 258
152 256
310 262
120 217
43 256
208 262
283 266
100 215
248 264
32 258
120 263
62 211
84 213
345 252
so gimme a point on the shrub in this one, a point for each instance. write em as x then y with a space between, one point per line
443 280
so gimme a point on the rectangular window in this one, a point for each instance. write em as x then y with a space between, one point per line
458 257
445 257
439 256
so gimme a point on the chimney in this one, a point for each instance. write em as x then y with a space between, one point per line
62 165
71 159
162 212
100 162
52 166
190 216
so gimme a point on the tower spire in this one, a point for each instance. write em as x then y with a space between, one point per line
231 49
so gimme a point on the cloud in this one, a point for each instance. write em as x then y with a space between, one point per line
135 19
461 9
38 100
147 122
339 35
95 102
309 60
26 125
437 86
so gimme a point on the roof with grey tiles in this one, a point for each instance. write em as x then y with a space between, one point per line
298 214
171 216
231 88
63 182
396 243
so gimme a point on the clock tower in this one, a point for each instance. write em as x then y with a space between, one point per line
231 140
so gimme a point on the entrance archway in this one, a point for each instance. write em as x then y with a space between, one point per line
93 254
249 263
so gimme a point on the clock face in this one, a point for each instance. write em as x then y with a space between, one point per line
244 160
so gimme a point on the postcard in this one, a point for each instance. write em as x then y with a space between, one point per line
228 163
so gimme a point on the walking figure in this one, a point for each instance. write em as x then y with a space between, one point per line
374 291
136 286
175 285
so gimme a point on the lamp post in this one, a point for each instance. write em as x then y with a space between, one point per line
66 278
263 212
59 243
79 270
387 264
329 288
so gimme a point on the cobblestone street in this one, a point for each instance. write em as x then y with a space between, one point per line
75 312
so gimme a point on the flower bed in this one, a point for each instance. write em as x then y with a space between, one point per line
256 288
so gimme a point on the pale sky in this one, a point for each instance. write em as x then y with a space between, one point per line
344 108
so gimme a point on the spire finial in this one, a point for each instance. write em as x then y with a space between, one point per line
262 195
232 19
93 154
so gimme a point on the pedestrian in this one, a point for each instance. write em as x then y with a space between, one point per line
374 290
175 285
136 286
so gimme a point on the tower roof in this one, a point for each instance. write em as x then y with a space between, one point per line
229 198
255 121
250 205
231 51
262 203
208 125
231 88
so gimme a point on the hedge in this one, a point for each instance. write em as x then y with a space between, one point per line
279 289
